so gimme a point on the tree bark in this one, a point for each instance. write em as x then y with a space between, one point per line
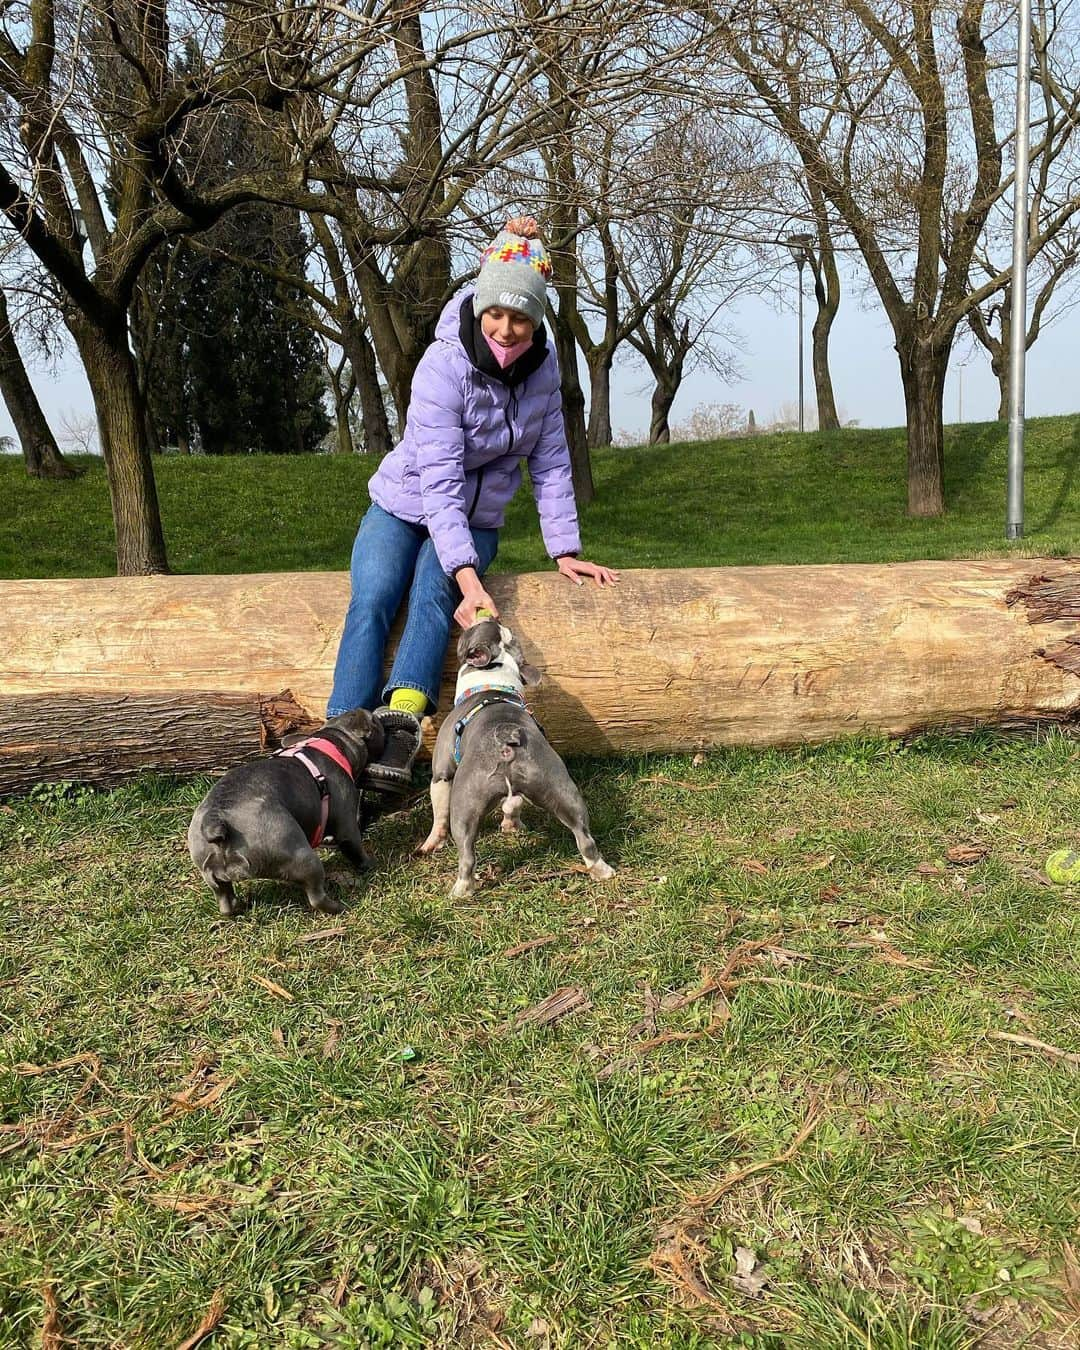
828 302
41 454
377 437
121 416
663 397
573 401
922 369
99 678
599 429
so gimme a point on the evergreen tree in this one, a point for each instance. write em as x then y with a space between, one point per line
229 359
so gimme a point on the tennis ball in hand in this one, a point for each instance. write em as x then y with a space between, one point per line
1063 866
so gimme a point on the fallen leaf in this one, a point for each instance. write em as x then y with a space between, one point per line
52 1337
278 1037
213 1316
987 817
926 869
815 862
537 1329
276 989
678 1259
964 855
529 946
748 1277
754 866
1034 874
187 1100
1072 1276
559 1004
333 1038
321 934
698 760
829 893
971 1223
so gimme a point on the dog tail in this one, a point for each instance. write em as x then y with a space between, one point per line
510 739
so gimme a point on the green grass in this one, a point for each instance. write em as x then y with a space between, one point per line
773 499
384 1159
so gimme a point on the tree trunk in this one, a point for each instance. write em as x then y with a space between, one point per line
99 678
361 354
121 416
663 397
573 401
41 454
828 420
999 355
345 444
922 369
599 430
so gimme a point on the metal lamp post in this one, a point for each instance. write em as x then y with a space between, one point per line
1014 497
800 246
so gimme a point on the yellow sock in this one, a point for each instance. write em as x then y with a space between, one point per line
409 700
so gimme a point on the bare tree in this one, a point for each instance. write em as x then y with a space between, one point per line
679 256
1052 274
41 454
892 107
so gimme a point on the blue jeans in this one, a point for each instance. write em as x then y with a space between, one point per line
390 557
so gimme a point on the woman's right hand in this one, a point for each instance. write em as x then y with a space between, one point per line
473 597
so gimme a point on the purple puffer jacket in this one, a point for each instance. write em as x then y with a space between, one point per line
466 433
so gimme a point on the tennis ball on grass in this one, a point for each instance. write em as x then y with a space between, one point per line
1063 866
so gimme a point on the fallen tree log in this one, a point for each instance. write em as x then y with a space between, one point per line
100 679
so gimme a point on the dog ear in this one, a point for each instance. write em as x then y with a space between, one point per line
530 676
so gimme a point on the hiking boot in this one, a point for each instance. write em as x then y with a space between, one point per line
392 771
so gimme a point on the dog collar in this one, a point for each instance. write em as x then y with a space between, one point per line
487 689
329 749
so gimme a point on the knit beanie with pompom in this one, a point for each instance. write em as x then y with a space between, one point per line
514 272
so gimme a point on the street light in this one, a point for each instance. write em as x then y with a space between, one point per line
1014 493
800 247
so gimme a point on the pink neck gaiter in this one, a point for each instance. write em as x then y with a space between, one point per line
507 355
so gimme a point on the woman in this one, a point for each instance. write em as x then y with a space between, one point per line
486 395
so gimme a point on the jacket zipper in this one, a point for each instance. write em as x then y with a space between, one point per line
476 491
511 407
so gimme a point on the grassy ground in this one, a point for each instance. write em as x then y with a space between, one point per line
299 1132
350 1142
776 499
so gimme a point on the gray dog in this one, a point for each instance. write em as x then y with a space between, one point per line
266 818
490 747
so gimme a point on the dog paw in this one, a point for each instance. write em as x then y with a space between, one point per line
601 871
432 843
328 905
462 888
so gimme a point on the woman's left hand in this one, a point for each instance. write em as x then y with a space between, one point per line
577 570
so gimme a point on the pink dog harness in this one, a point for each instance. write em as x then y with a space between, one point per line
327 748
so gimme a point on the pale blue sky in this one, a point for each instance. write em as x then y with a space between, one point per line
864 364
